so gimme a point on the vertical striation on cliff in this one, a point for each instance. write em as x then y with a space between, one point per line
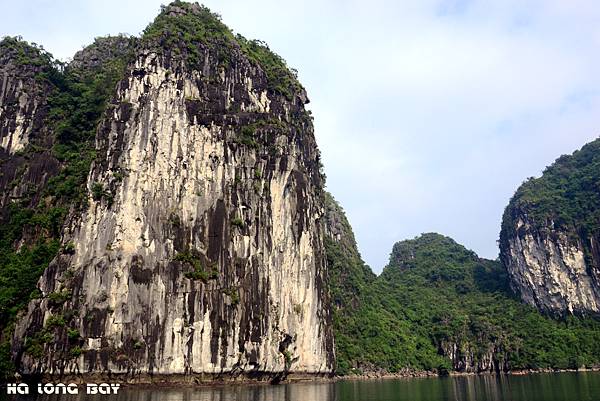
199 247
550 236
26 166
24 95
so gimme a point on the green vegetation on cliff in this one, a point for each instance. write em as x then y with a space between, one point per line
185 30
23 54
349 277
30 231
550 233
566 196
192 32
439 307
436 306
76 106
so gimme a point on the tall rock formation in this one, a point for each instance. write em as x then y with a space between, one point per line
199 247
23 108
550 236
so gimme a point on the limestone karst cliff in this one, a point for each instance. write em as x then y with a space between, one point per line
550 236
197 248
23 109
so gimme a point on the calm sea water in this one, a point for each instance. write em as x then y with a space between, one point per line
584 386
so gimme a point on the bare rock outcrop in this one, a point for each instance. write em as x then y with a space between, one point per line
200 250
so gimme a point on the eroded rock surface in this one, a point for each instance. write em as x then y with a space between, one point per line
201 249
23 108
550 234
550 270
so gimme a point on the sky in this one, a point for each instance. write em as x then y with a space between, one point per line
428 113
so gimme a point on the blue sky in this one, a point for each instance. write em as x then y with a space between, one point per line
428 113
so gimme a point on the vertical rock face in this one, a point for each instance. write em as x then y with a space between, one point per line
51 113
22 94
549 238
549 270
473 358
201 251
23 107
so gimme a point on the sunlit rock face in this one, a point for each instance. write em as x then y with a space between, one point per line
550 233
200 253
550 271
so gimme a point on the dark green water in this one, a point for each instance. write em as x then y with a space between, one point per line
584 386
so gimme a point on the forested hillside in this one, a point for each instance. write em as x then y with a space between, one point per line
439 307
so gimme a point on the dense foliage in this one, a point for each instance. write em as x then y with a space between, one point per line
435 294
566 196
21 53
348 276
184 30
75 110
188 30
